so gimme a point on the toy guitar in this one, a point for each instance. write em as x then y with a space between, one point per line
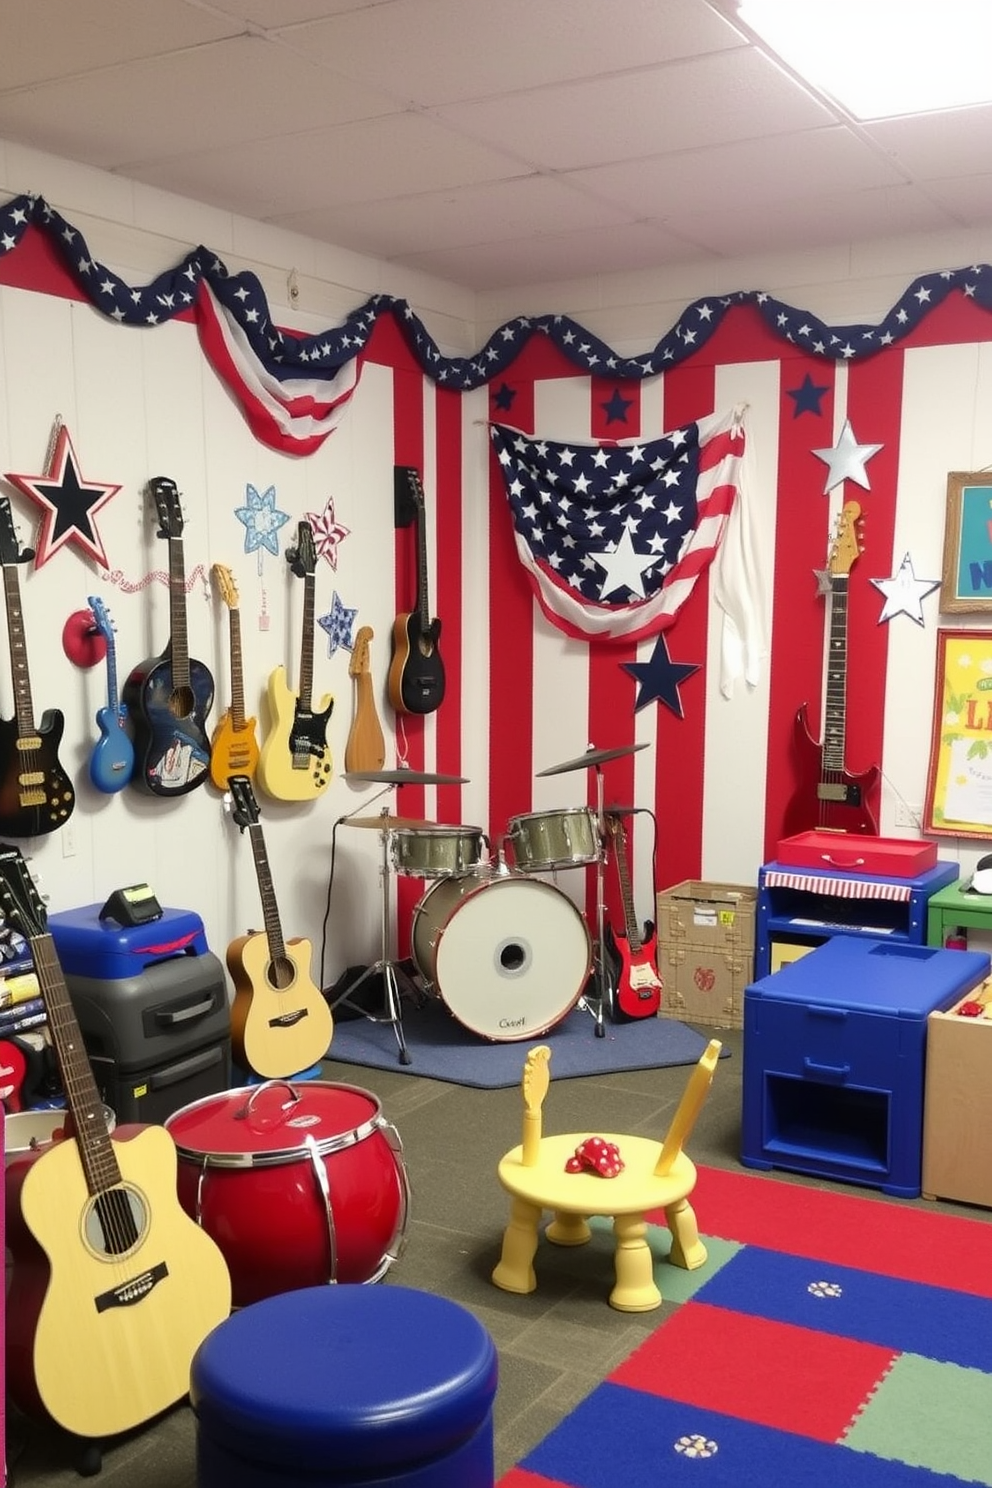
36 795
366 747
113 1287
295 762
233 745
280 1023
112 760
415 683
637 983
830 797
169 696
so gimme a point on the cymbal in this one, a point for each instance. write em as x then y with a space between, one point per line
405 777
386 823
593 757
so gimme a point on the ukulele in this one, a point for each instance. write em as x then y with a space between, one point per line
829 797
36 795
415 683
295 762
112 760
637 990
233 745
169 696
366 747
113 1288
280 1022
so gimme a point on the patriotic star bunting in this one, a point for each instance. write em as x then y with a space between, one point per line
904 592
338 625
327 533
68 503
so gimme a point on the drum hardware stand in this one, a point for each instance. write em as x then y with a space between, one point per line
597 1004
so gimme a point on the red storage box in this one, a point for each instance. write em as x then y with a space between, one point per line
848 852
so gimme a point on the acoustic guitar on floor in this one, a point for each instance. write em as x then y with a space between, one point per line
280 1022
113 1287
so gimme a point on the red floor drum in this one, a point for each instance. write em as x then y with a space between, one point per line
298 1184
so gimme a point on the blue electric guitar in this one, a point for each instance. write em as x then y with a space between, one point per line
112 760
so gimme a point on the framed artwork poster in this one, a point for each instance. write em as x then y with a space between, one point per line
959 779
966 585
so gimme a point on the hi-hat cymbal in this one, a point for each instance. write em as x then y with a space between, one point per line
593 757
387 823
405 777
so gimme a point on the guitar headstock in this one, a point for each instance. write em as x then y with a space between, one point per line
845 548
359 663
226 587
101 618
20 901
10 549
303 558
536 1078
168 506
416 487
245 807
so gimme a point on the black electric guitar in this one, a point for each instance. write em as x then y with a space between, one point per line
169 696
36 795
113 1287
415 683
829 797
637 990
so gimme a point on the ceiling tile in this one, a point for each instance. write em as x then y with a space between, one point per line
954 143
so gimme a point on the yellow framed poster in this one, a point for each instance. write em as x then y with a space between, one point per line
959 781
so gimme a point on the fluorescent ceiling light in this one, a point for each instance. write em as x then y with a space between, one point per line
880 58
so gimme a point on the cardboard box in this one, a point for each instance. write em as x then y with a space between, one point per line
704 984
957 1112
707 915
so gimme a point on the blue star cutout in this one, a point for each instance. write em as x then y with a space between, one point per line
660 678
338 624
261 520
503 396
616 407
806 396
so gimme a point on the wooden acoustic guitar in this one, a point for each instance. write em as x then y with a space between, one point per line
415 683
113 1286
169 696
112 758
233 744
637 985
366 747
295 762
829 797
280 1022
36 795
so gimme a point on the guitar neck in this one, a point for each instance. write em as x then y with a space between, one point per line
835 705
20 676
96 1150
626 893
273 929
306 648
113 696
423 599
237 677
179 643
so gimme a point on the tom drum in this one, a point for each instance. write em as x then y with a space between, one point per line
298 1185
546 840
508 955
436 851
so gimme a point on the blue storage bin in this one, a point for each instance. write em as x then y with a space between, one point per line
835 1056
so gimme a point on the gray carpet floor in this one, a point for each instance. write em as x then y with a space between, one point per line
554 1345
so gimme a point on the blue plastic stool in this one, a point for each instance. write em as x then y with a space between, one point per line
344 1386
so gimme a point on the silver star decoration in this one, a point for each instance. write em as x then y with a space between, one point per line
625 569
904 592
847 459
824 581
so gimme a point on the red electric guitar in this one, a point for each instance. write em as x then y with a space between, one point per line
830 797
638 985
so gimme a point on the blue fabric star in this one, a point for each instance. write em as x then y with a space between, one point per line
261 521
338 624
616 407
503 396
660 677
806 396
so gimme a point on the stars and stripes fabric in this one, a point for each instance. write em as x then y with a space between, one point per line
613 537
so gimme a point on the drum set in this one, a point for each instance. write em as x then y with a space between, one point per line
507 953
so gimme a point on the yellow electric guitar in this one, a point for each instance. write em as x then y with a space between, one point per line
113 1286
295 763
280 1022
233 745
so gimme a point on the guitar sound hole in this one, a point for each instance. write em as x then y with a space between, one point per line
281 973
182 702
114 1222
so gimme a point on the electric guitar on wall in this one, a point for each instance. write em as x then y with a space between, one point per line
36 795
280 1022
233 745
295 762
829 797
366 747
113 1287
638 985
415 683
169 696
112 759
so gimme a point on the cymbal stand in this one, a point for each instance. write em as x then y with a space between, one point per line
392 973
597 1005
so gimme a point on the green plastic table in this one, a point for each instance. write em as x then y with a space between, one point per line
954 907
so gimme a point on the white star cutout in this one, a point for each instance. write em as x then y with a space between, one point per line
904 592
847 459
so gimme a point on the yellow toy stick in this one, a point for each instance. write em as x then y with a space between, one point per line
536 1079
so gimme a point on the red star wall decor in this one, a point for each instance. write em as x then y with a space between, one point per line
68 503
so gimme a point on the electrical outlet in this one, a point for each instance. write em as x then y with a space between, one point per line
909 816
68 835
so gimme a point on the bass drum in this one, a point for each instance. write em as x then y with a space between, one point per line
297 1185
508 955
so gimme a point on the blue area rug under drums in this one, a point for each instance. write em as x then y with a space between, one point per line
442 1049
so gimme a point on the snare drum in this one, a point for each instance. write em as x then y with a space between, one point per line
508 955
543 840
297 1185
437 852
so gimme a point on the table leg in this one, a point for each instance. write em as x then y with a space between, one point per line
687 1251
515 1271
568 1229
635 1289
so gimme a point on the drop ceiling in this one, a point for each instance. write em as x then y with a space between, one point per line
491 143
